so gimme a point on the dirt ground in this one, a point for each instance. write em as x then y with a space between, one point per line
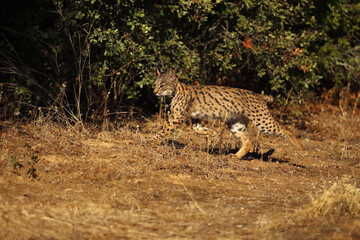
58 182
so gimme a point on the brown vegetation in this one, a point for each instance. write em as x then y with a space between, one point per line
61 183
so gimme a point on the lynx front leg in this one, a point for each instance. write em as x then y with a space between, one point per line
170 126
199 129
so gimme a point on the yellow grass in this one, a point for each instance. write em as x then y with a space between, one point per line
99 184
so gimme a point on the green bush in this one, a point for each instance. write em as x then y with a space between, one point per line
89 58
339 49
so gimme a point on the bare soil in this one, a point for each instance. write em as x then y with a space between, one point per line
62 183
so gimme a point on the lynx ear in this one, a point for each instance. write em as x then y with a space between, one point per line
171 73
157 73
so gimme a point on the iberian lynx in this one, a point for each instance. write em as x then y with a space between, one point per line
237 107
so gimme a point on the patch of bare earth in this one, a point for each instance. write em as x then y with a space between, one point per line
61 183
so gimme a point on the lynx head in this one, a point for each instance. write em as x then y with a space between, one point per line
165 84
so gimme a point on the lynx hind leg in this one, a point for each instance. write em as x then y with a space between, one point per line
239 129
267 124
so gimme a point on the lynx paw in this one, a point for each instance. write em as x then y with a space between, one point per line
237 155
203 130
154 142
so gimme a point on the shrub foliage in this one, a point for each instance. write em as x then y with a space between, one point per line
88 59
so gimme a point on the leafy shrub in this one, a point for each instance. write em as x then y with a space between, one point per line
92 56
339 49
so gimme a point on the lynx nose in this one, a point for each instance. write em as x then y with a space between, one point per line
157 93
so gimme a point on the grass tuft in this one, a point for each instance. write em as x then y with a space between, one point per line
342 198
332 212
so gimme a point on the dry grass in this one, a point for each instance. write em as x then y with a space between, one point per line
111 185
341 199
331 214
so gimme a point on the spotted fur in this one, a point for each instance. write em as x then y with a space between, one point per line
237 107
